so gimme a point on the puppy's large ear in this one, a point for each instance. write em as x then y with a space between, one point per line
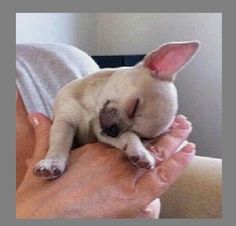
166 61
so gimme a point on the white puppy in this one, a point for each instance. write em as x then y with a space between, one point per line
118 106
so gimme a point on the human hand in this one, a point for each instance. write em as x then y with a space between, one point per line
99 181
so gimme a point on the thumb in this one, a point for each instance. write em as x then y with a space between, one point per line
41 125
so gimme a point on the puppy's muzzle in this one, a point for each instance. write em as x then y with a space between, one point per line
112 131
108 121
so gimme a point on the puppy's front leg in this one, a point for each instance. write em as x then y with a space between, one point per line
61 138
131 144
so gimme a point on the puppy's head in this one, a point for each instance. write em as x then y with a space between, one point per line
143 98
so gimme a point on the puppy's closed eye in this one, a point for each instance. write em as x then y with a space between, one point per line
132 108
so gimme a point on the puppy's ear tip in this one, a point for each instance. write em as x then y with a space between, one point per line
196 44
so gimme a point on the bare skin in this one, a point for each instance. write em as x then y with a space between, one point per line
99 182
25 139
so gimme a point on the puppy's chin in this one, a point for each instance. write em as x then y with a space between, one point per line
151 132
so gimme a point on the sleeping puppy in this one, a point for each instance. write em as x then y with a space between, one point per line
119 106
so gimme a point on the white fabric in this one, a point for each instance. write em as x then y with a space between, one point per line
42 69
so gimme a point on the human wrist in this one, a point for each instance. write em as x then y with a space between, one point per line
22 209
30 205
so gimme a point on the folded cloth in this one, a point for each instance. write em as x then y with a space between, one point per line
43 69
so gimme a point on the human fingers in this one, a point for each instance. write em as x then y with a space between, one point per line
169 143
41 125
154 183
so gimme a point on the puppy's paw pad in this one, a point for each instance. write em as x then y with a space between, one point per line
134 159
142 162
49 168
145 165
41 172
56 171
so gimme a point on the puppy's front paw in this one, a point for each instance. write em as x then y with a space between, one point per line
142 159
49 168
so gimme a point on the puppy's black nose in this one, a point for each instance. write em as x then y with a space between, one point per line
112 131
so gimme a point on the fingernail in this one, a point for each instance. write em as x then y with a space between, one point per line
152 148
190 147
162 173
184 125
175 125
181 117
157 153
33 120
